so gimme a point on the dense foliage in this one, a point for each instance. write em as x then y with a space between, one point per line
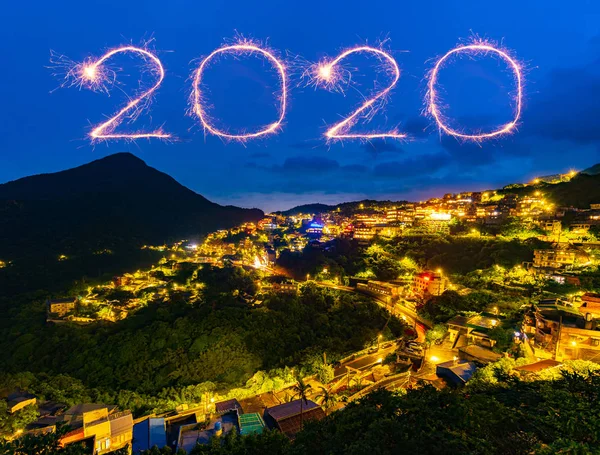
506 415
162 349
47 444
389 259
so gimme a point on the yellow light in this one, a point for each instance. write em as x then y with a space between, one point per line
573 343
379 360
212 400
434 358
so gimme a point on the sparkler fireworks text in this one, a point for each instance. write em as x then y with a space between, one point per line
477 48
198 106
94 75
330 74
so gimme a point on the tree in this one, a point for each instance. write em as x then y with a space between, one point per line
301 390
437 333
328 399
47 444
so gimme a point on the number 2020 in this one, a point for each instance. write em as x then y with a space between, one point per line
328 74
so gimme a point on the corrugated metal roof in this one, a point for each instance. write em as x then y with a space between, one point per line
292 408
226 406
293 424
121 423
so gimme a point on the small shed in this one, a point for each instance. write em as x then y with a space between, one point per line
288 419
149 433
456 373
223 407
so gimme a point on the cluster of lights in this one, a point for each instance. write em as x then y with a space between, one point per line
330 74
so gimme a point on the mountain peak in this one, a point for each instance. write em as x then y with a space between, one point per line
118 196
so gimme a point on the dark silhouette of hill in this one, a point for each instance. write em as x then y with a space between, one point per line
594 170
115 197
114 203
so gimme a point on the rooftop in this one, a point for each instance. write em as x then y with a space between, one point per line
458 372
285 410
539 366
227 406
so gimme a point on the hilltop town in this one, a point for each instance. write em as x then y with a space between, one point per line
457 285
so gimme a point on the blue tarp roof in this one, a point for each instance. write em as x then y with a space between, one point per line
149 433
457 373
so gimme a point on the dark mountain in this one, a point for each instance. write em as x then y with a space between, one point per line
594 170
116 203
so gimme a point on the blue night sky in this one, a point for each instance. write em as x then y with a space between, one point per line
558 41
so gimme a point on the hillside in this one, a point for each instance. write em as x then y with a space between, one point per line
343 207
594 170
115 203
581 191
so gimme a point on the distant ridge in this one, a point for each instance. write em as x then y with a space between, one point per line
581 191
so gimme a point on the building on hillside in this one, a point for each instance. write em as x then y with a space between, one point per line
456 372
363 233
60 307
268 223
427 284
19 400
148 433
405 216
590 305
383 288
468 330
110 430
579 228
251 423
562 332
223 407
315 227
557 258
286 287
536 367
286 417
479 354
